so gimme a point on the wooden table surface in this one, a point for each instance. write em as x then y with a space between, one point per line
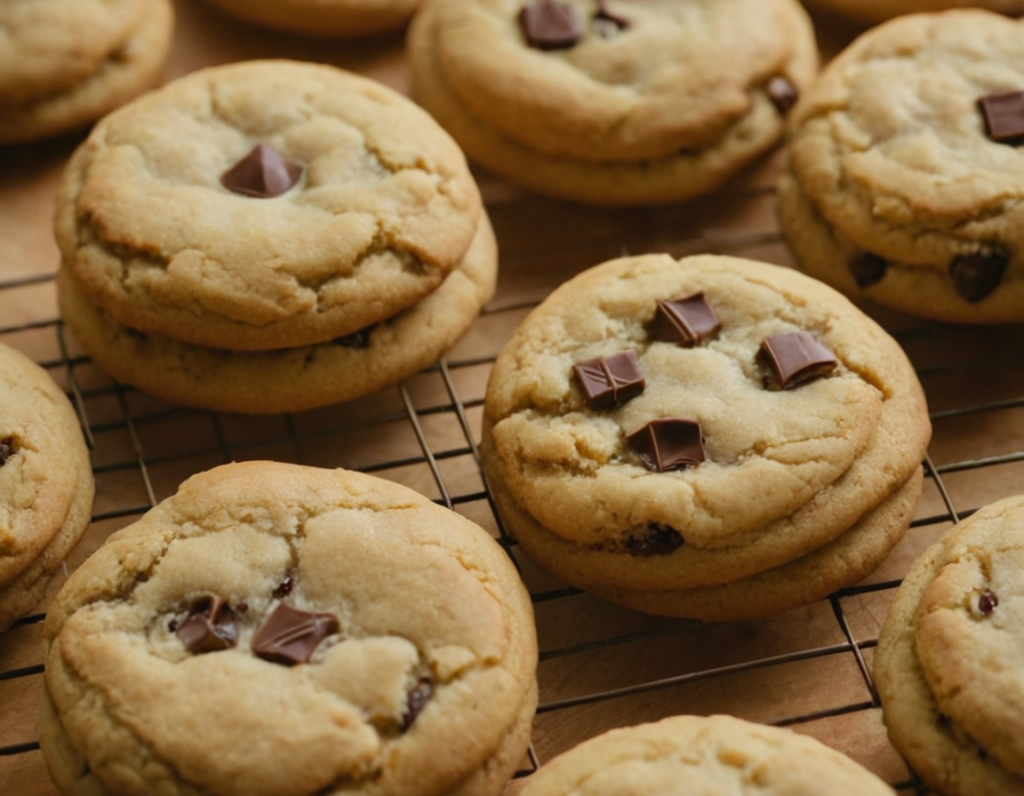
601 666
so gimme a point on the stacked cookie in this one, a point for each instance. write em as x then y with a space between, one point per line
947 657
276 630
46 483
613 103
65 63
905 174
341 19
878 10
710 438
270 236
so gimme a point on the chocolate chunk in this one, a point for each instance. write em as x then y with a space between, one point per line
686 321
1004 116
987 602
867 269
607 21
657 540
782 93
669 443
360 339
978 274
6 450
291 635
284 588
416 701
209 627
610 381
796 357
263 173
550 25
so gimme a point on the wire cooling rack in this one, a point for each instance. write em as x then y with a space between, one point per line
600 666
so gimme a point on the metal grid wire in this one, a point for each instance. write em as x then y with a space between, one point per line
141 472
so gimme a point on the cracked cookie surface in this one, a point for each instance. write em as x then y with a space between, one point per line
896 191
383 210
424 683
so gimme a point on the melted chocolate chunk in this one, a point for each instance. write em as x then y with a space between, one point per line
416 701
6 450
290 635
987 602
976 275
607 21
796 357
610 381
686 321
550 25
669 443
209 627
284 588
782 93
263 173
1004 116
868 269
657 540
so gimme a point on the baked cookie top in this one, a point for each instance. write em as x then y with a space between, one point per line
44 462
631 81
770 455
264 204
276 630
892 147
703 756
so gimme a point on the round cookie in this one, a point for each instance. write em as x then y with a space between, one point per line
703 756
944 666
65 63
346 204
879 10
896 191
343 19
277 630
45 479
784 471
645 102
294 379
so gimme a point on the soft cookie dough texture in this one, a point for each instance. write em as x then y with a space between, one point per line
341 19
895 192
426 685
384 216
65 63
665 107
946 663
802 490
879 10
703 756
46 483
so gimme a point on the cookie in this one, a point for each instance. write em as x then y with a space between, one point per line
264 205
66 63
898 190
696 469
277 630
293 379
45 479
629 103
705 755
879 10
342 19
945 663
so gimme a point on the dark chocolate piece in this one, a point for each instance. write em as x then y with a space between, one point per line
868 269
607 20
284 588
550 25
782 93
416 701
209 627
987 602
976 275
360 339
263 173
6 450
796 357
657 540
669 443
610 381
686 321
1004 116
290 635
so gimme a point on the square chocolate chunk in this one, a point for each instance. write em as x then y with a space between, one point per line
796 357
669 443
610 381
686 321
1004 116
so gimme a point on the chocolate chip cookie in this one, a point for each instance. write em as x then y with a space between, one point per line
905 176
46 483
878 10
277 630
341 19
944 667
612 102
664 432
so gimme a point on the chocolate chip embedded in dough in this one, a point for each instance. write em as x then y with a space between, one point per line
610 381
263 173
656 540
669 443
607 22
686 321
868 269
209 627
416 701
284 588
290 635
976 275
6 450
987 602
550 25
796 357
782 93
1003 114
